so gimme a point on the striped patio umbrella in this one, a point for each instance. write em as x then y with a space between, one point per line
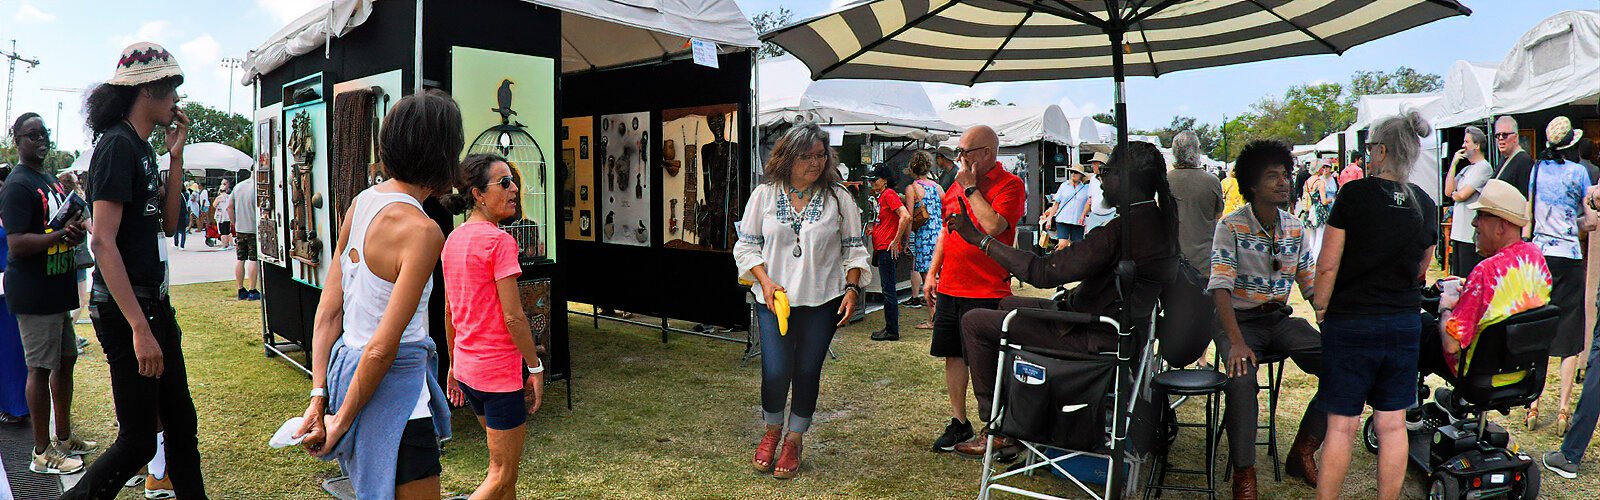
968 42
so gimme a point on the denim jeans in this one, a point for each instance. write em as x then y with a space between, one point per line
1583 420
791 365
891 299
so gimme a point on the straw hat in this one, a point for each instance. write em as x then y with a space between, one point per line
1501 200
1560 134
1100 157
145 62
1077 169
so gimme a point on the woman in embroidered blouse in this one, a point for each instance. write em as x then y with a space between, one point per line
801 235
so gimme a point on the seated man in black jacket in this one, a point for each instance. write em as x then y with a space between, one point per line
1152 212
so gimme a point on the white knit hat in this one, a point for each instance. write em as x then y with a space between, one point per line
145 62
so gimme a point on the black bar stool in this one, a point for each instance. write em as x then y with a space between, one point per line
1195 383
1273 365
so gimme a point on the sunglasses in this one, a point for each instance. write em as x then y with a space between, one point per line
1500 136
504 182
38 135
964 152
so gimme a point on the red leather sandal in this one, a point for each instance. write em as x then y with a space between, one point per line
788 462
765 450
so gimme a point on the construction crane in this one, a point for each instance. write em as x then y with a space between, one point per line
12 58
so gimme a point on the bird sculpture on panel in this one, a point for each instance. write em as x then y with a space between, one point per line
503 99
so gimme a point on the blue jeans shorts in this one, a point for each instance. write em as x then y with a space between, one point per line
1369 360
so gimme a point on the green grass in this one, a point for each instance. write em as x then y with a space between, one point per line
653 420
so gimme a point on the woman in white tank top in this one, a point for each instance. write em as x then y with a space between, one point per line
372 359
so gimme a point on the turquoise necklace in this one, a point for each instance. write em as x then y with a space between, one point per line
798 216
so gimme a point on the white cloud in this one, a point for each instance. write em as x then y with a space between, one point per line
160 32
28 14
284 11
201 50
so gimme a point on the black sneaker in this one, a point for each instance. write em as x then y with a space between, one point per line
1445 399
242 294
954 434
914 303
252 295
1558 463
884 335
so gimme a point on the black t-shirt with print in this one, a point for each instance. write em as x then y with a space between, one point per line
1387 230
123 170
44 283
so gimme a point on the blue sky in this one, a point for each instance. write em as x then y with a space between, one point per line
1209 94
78 42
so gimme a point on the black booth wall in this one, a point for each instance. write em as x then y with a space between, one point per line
387 42
691 285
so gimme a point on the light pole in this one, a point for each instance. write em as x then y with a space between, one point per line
232 63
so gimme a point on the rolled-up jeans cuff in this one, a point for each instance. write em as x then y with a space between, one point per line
799 424
772 418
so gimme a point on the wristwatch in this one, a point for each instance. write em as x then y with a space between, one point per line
853 286
537 369
319 392
970 190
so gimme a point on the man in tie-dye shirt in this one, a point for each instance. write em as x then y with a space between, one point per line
1513 279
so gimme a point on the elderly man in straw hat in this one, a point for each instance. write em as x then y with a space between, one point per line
135 208
1512 279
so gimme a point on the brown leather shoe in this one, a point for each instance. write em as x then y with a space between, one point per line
1005 449
1244 483
1302 459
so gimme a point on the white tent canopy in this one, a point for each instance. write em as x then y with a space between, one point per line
1017 125
202 156
1086 130
1553 64
859 107
197 158
596 34
1468 95
1371 108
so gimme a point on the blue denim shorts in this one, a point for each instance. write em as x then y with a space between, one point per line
1369 360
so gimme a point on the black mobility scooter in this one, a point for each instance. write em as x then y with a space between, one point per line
1463 454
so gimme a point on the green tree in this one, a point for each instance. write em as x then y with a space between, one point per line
973 102
1109 117
766 22
1402 80
55 161
212 125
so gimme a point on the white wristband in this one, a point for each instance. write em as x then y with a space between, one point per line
319 392
536 370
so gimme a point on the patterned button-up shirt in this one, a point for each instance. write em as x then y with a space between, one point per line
1258 267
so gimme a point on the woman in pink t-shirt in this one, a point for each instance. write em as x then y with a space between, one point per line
485 328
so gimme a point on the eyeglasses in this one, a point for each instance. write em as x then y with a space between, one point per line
38 135
962 152
811 156
1500 136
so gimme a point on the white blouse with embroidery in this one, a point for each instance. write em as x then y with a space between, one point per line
829 240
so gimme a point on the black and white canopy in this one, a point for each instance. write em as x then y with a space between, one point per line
974 41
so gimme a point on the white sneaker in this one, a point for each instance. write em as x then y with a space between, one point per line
53 461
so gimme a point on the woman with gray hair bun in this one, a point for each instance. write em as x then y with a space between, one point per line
1375 251
1200 201
802 246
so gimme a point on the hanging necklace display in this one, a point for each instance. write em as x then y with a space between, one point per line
672 223
510 139
691 185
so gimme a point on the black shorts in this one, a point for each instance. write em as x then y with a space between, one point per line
225 227
946 339
419 452
501 411
245 246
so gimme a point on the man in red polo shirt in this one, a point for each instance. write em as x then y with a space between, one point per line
961 277
888 240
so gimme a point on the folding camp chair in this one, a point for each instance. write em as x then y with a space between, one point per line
1071 405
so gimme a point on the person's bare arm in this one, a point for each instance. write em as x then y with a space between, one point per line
31 244
1240 353
993 223
326 328
1327 269
516 321
930 284
172 202
1590 221
107 222
896 245
1427 259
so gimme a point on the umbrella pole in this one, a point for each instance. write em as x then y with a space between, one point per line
1125 269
